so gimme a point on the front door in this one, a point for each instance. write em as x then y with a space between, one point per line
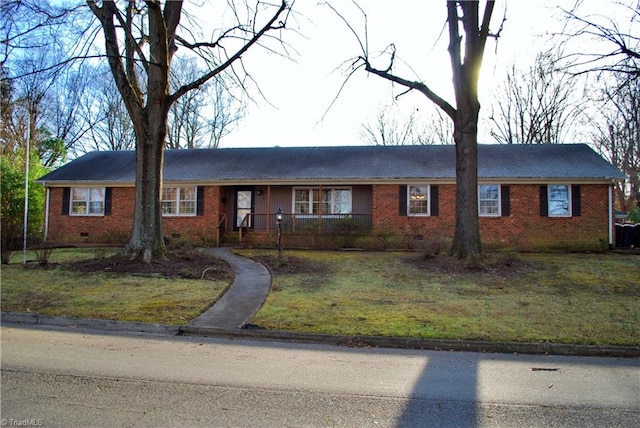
244 207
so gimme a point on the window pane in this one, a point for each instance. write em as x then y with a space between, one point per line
80 194
187 207
341 202
169 200
78 207
169 194
315 206
301 204
489 199
326 201
96 207
418 199
188 200
188 194
559 200
169 207
488 192
96 201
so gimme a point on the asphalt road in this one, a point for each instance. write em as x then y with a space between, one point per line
56 377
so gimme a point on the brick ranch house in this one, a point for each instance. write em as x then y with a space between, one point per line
530 197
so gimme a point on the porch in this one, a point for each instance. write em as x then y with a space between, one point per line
292 223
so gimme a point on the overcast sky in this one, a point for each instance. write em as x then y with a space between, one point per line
301 90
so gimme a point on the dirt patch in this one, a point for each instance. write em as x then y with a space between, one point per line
186 264
492 266
284 265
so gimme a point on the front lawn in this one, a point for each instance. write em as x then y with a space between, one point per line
560 298
96 283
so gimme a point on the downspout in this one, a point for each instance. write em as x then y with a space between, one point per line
611 217
46 214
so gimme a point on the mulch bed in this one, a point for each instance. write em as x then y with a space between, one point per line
186 264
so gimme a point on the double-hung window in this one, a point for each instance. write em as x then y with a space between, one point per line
418 200
559 200
87 201
489 200
314 201
179 201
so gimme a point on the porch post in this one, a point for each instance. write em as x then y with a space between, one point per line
268 208
320 208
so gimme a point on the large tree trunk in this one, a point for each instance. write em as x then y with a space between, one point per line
466 242
147 238
466 73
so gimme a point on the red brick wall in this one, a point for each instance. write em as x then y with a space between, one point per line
387 218
524 229
116 227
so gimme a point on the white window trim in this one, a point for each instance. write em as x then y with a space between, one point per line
310 201
499 214
178 213
569 201
409 213
87 201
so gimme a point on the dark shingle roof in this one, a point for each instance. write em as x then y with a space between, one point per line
352 163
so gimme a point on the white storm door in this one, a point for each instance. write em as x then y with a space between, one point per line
244 200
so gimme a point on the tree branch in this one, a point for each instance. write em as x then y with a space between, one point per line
419 86
269 26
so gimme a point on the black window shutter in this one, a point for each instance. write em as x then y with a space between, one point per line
435 201
200 200
403 200
505 201
66 195
544 202
107 200
576 208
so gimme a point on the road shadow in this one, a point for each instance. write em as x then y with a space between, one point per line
474 389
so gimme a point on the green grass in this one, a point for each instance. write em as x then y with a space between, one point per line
561 298
59 292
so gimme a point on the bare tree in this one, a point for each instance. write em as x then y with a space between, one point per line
387 129
46 89
27 114
109 124
617 133
612 54
65 100
537 105
227 112
611 38
201 117
141 39
468 33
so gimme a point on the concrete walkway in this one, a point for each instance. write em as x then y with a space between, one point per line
244 297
